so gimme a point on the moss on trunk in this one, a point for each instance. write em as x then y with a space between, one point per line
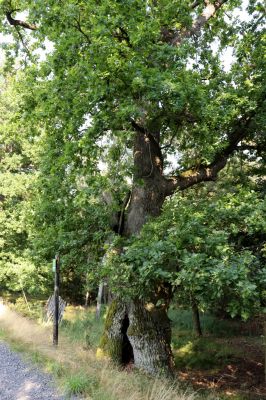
112 339
140 332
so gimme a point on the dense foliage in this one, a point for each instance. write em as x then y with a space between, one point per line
17 173
67 137
207 244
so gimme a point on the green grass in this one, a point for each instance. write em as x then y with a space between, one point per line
103 384
204 353
84 329
81 328
182 321
200 353
81 383
56 369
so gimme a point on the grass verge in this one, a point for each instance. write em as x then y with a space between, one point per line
75 367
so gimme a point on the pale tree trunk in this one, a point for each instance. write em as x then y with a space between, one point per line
87 299
99 301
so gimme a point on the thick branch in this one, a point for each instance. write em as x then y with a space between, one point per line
18 22
204 173
176 38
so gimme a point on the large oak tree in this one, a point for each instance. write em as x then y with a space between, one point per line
140 85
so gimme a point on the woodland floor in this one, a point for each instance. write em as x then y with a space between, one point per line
243 375
229 357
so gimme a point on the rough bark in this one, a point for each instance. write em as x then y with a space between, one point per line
140 333
149 334
148 192
149 329
136 330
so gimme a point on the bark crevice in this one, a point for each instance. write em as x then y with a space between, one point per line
127 350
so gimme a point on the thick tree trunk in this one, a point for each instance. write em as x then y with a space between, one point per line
149 334
145 202
151 346
138 331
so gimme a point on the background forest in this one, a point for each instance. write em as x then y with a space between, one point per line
129 146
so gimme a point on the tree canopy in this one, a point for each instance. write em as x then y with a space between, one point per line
134 96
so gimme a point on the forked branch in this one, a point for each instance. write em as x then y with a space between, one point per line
209 172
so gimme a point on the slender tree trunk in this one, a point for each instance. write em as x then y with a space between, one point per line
25 298
196 318
105 293
87 298
99 300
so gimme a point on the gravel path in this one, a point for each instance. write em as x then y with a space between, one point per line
21 381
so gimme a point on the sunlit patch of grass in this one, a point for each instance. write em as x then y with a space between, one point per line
186 349
205 353
82 327
200 353
33 308
71 313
